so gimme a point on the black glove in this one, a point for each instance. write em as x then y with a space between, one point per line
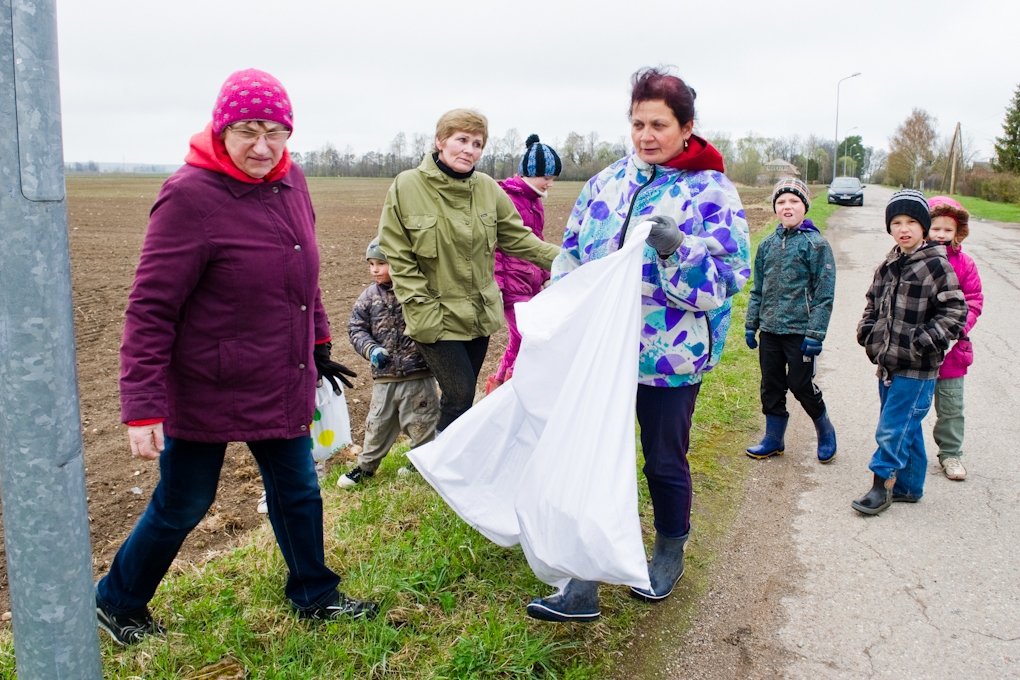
331 370
664 236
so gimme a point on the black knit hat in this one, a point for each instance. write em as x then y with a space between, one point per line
909 202
540 160
792 185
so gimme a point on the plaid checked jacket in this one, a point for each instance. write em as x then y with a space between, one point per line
915 310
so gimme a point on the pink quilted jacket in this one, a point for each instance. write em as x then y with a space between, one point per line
962 353
519 280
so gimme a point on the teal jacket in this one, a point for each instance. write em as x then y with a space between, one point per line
794 283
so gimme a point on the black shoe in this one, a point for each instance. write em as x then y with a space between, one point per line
578 602
127 629
665 569
878 499
343 608
353 477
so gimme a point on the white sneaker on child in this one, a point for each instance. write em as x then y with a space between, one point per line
263 507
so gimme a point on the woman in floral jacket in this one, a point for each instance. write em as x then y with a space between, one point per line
697 258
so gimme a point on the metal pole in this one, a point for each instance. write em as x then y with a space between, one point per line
42 474
835 153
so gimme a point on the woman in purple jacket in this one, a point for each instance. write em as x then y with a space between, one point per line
518 279
225 330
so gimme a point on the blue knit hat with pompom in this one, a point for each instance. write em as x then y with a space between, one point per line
540 160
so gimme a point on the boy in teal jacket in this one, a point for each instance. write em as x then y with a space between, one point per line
791 302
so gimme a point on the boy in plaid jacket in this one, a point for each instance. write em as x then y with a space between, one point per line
914 310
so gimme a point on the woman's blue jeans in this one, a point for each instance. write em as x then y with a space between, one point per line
905 403
189 473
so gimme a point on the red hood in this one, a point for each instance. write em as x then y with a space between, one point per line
210 153
699 155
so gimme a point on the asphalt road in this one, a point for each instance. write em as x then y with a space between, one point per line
930 590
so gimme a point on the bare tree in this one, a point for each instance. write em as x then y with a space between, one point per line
912 148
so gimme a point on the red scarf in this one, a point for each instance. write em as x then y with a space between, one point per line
210 153
699 155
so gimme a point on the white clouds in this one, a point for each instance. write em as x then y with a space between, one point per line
139 78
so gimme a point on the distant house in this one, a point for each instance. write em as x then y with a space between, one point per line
982 166
777 169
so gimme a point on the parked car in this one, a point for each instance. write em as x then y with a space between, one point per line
846 191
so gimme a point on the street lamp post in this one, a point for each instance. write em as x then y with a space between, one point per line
844 148
835 153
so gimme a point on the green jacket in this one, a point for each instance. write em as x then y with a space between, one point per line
440 236
794 283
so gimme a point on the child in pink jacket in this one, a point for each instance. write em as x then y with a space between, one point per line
518 280
949 227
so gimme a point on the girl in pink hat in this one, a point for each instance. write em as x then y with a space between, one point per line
949 226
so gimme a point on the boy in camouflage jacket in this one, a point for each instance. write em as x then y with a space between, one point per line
914 310
791 302
404 395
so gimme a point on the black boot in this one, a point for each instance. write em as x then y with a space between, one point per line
878 499
578 602
665 569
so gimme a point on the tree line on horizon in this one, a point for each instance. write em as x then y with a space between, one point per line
584 156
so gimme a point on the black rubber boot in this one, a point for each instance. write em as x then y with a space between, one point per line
665 569
772 444
878 499
578 602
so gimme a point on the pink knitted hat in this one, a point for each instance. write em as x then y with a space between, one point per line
252 95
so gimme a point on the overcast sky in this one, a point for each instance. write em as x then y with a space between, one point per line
138 78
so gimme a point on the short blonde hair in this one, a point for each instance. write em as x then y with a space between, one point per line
462 120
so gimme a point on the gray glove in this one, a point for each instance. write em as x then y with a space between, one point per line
665 237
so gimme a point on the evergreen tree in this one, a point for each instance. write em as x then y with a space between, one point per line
1007 147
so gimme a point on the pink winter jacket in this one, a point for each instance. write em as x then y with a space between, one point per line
962 354
519 280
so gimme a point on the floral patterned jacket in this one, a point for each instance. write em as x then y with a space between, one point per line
685 297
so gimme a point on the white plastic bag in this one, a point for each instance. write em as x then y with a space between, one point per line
548 459
331 424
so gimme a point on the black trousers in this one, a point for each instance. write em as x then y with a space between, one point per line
665 415
456 365
783 367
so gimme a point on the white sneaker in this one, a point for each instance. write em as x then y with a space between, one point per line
263 507
954 469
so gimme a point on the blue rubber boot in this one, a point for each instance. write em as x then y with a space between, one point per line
772 444
578 602
826 438
665 569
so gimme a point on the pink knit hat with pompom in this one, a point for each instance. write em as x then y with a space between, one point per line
252 95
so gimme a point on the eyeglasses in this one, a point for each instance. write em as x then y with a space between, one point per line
249 135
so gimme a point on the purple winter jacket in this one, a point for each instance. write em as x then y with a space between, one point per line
225 310
518 279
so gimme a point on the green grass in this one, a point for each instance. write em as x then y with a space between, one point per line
453 601
986 210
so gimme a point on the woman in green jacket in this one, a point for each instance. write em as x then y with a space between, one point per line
440 228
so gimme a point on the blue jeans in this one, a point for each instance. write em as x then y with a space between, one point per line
900 438
189 473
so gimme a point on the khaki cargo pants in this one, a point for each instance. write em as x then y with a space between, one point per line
409 405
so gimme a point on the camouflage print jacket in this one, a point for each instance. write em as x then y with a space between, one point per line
794 283
377 320
915 310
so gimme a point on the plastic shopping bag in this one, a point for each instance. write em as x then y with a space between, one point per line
331 424
548 459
